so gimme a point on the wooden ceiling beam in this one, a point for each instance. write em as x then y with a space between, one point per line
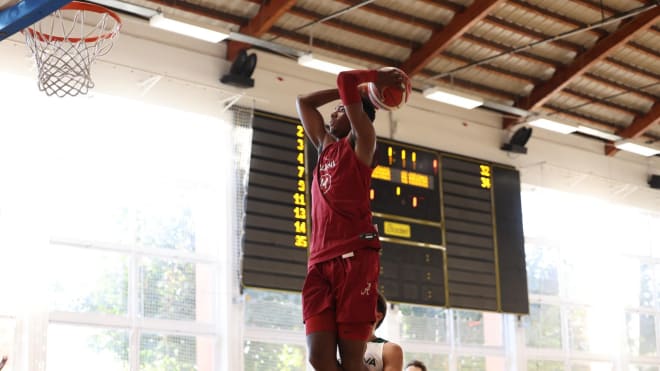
443 37
637 128
556 111
623 109
493 69
556 17
202 11
644 49
532 34
269 13
617 85
334 48
598 7
391 14
642 123
381 61
394 40
504 48
564 75
359 30
474 87
633 69
447 5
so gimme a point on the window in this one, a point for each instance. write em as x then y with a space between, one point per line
272 356
593 283
478 328
543 326
121 221
75 347
641 334
540 365
273 310
423 323
275 333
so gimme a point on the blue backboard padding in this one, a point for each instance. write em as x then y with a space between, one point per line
26 13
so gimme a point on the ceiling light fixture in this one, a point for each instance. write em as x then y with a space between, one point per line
188 28
324 64
640 149
598 133
452 97
552 125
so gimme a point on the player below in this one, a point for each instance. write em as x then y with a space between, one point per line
415 365
382 355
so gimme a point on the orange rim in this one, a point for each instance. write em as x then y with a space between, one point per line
88 7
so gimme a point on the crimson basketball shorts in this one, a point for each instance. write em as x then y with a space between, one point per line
341 294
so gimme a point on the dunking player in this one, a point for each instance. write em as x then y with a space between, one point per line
382 355
339 294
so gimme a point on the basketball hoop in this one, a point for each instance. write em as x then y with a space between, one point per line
67 42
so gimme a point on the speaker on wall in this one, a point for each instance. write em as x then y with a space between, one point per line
654 181
240 74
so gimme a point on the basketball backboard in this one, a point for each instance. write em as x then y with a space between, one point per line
24 13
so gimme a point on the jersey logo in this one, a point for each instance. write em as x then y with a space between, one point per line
371 361
325 182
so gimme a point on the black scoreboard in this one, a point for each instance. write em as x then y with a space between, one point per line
450 226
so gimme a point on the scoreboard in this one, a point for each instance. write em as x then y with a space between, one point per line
450 226
275 239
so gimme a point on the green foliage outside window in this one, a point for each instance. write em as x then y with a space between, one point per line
471 364
423 323
537 365
259 356
543 326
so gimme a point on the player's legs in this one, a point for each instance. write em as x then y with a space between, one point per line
320 321
321 332
352 345
356 307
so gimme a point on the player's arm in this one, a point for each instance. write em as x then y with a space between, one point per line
392 357
307 106
363 128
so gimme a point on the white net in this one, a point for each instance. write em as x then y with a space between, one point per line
242 139
66 43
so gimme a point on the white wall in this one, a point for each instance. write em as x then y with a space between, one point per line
174 70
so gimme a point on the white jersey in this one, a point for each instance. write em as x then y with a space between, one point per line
373 357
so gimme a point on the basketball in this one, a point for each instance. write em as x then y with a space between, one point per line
390 98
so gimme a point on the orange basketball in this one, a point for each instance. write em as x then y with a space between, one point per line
390 98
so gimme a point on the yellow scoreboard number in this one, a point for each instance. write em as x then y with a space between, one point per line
299 197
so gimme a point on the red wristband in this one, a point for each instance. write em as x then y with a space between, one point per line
348 81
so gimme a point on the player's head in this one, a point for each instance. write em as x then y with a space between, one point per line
415 365
381 309
339 126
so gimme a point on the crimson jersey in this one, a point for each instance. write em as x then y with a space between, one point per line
341 210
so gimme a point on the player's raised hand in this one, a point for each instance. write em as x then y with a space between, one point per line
390 77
